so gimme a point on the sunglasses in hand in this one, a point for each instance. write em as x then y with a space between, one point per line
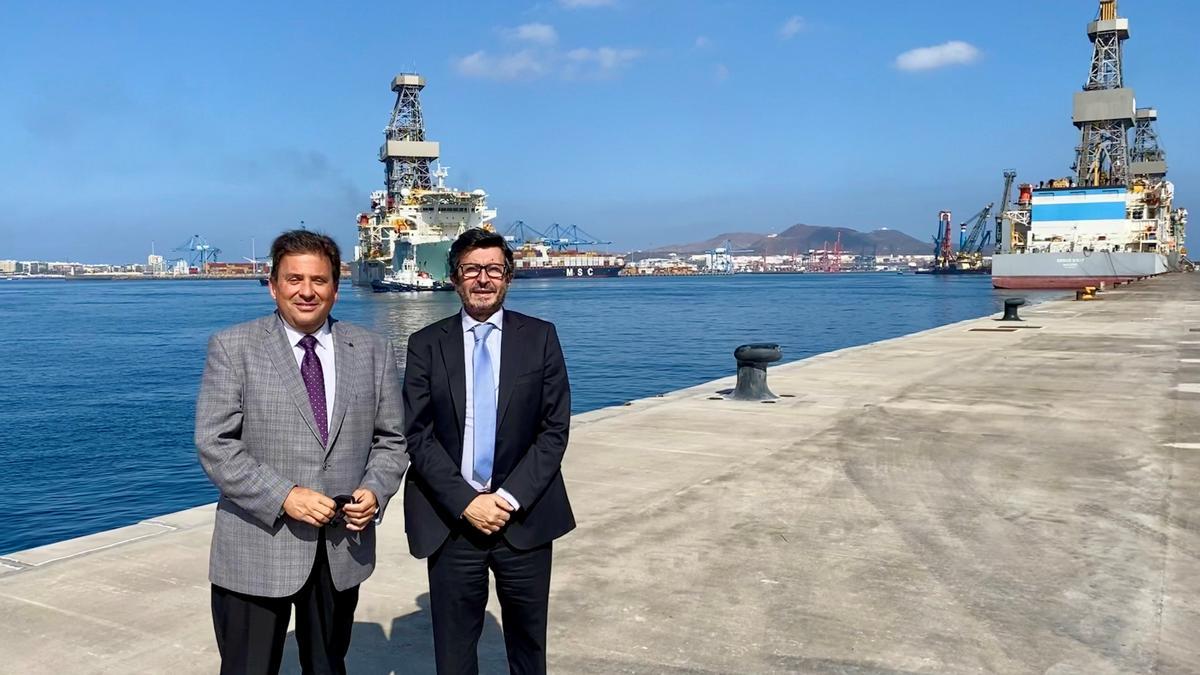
339 516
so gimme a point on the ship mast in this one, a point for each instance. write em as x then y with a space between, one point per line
1104 110
405 153
1146 158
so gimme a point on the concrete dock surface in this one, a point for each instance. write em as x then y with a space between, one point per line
974 498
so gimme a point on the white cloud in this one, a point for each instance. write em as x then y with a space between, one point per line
955 52
791 27
607 59
584 4
580 63
721 73
538 33
702 42
537 54
522 64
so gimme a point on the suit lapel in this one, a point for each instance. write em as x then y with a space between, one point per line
346 372
455 368
284 359
510 340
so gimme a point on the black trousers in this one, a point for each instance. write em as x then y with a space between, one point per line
458 593
251 629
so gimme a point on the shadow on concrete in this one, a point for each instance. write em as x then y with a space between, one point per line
410 648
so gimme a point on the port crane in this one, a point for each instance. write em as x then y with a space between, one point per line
254 258
868 261
1005 200
970 246
557 237
201 252
520 233
833 263
720 259
942 250
970 252
563 238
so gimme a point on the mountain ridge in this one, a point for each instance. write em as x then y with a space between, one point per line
802 238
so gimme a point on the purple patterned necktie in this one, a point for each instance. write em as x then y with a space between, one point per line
314 382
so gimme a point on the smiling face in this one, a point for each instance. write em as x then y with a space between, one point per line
304 289
482 296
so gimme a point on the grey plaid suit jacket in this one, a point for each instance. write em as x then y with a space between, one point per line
257 438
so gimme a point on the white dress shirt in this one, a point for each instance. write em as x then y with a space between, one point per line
492 345
324 350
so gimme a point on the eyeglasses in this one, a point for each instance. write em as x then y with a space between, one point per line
470 271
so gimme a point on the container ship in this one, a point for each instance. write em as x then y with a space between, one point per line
404 239
539 261
558 253
1114 220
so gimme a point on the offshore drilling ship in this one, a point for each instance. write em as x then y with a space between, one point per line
405 237
1114 220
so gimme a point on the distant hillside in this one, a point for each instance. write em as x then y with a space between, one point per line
740 240
801 238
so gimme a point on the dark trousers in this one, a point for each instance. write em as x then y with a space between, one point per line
251 629
458 593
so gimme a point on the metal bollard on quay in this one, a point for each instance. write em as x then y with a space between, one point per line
1010 309
752 360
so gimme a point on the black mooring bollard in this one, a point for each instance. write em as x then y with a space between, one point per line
752 363
1010 309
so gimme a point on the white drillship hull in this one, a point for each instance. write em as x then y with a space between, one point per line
1074 270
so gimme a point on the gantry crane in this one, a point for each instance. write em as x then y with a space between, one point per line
520 233
720 259
563 238
201 252
832 263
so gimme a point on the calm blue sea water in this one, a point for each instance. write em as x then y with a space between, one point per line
98 379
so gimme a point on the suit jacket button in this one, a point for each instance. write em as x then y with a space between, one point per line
325 467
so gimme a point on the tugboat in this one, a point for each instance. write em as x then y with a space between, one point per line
410 278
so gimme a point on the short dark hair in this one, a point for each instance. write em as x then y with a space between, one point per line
474 238
295 242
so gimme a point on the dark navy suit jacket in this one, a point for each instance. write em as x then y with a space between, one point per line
533 418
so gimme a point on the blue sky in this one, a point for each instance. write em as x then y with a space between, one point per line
644 122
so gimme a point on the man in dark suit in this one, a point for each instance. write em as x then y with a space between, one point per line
487 409
296 409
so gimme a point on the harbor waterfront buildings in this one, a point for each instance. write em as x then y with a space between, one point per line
673 264
156 267
71 269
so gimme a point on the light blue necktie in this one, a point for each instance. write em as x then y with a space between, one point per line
484 406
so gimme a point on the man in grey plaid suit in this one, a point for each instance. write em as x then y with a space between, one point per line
299 423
